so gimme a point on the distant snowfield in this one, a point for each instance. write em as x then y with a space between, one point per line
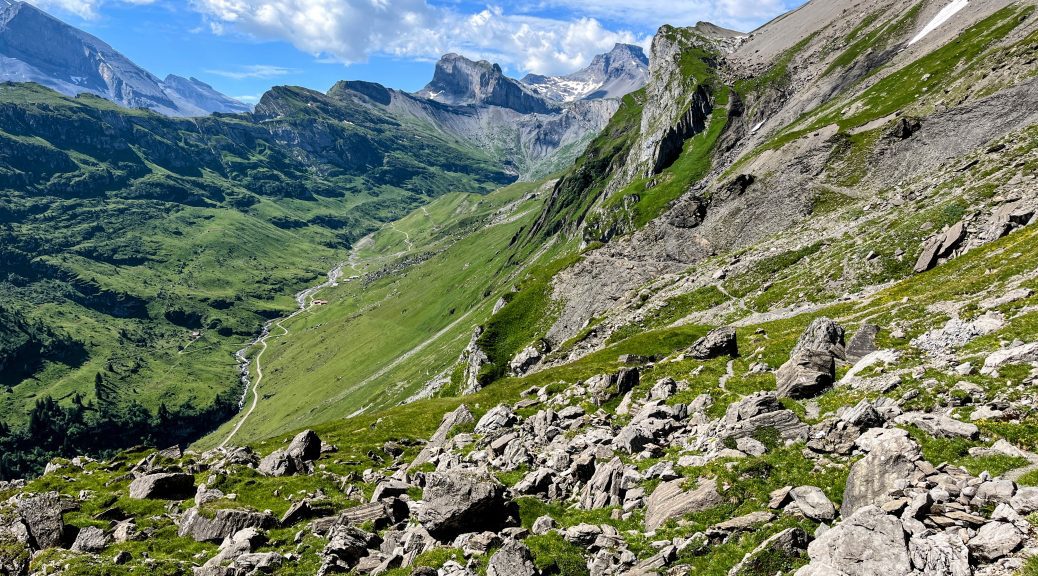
943 16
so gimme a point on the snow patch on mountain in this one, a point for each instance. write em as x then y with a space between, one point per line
943 16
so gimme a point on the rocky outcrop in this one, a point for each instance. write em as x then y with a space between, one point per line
811 367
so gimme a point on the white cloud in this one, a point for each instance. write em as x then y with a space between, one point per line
254 71
352 30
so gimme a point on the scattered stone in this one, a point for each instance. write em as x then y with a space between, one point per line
224 523
43 515
1015 355
513 559
451 420
871 479
939 425
781 549
940 246
862 343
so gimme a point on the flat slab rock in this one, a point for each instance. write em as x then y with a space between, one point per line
670 500
224 523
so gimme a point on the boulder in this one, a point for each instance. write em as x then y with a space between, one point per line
524 360
347 544
462 501
813 503
512 559
165 486
607 386
995 540
759 411
862 343
783 549
670 500
90 539
605 488
940 246
873 477
297 458
1025 501
451 420
496 419
939 425
811 367
941 553
868 543
223 523
43 515
1015 355
717 342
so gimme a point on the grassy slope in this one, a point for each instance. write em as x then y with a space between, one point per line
325 369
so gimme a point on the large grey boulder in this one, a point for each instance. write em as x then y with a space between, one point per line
873 477
451 420
813 503
717 342
513 559
939 425
670 500
940 246
164 486
296 459
496 419
43 515
90 539
811 367
457 502
758 411
783 548
347 544
941 553
868 543
223 523
995 540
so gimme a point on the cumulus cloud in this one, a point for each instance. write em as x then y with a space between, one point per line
541 36
352 30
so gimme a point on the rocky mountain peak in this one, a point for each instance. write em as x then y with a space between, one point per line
620 71
458 81
37 47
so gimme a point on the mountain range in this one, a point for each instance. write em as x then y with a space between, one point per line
777 316
615 74
36 47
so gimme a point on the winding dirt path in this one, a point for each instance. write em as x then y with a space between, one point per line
305 300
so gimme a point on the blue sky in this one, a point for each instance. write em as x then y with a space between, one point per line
243 47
